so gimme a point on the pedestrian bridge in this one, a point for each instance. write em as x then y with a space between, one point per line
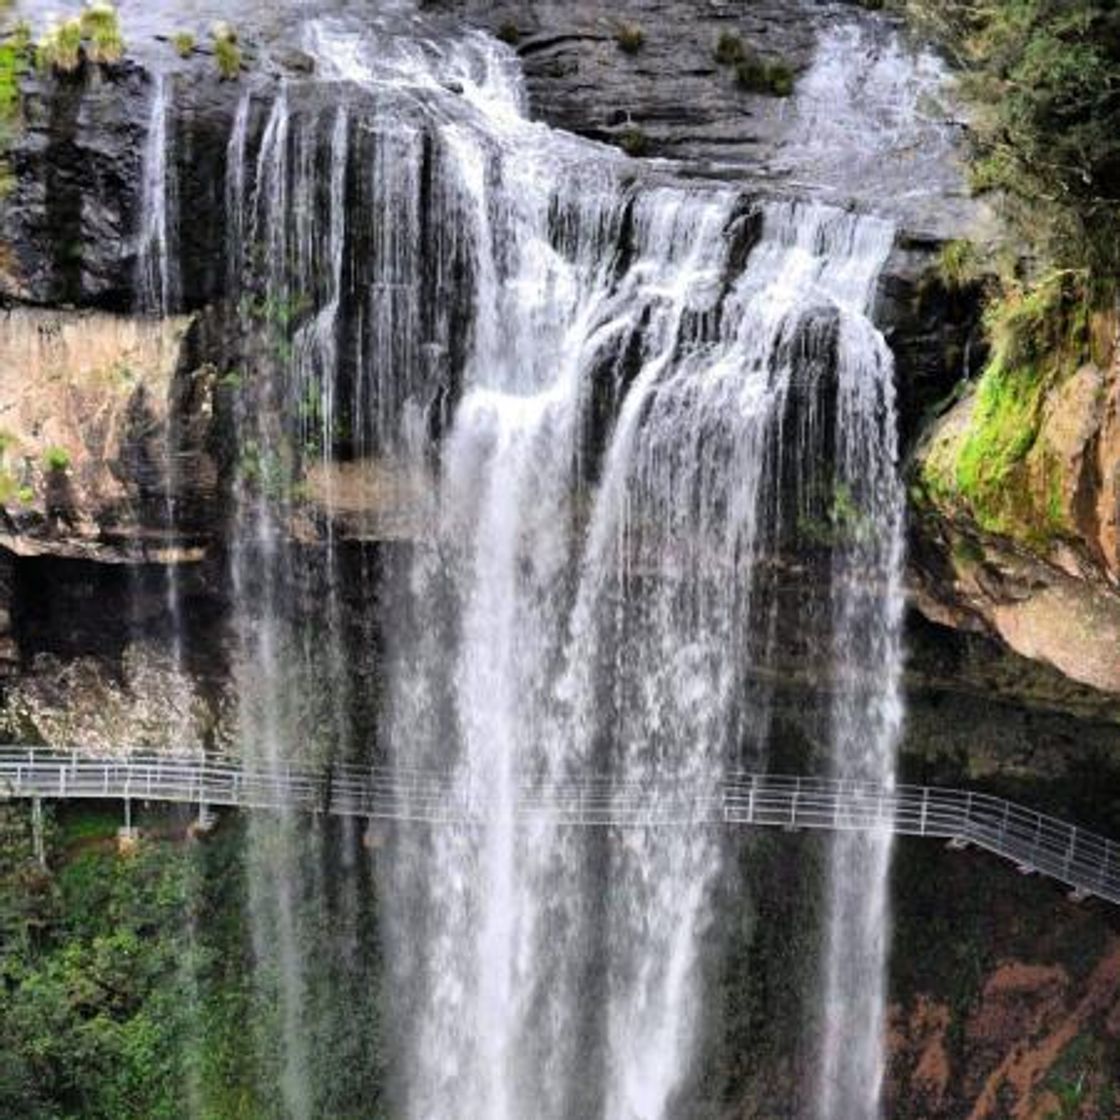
1087 863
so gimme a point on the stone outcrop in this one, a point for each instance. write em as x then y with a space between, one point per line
84 420
1042 572
970 580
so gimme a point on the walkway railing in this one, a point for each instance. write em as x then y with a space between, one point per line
1088 863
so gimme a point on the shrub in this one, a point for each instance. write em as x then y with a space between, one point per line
958 264
760 76
227 51
1041 80
13 61
781 78
56 459
60 48
729 49
183 42
634 142
630 38
509 33
101 26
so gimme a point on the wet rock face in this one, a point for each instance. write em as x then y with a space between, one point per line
72 221
671 87
71 215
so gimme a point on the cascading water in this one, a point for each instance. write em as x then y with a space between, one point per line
867 608
157 248
641 390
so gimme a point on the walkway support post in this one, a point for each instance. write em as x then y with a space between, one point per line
126 837
38 842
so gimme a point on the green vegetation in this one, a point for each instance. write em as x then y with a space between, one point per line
97 975
60 48
184 44
994 467
11 489
630 38
752 72
227 51
56 459
129 990
757 75
15 51
958 264
634 142
509 33
101 27
729 49
94 35
1040 79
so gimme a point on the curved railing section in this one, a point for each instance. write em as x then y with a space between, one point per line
1086 862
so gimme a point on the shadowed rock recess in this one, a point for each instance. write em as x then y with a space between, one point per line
522 391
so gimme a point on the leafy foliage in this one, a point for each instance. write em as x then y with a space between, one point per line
752 72
56 459
101 26
183 42
128 989
227 51
95 34
1042 78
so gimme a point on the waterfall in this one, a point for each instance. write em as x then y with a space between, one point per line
157 289
628 396
867 607
157 248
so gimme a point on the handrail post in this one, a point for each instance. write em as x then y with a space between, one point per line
1067 863
750 799
925 811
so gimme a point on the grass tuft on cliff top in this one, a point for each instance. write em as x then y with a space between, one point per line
101 27
227 51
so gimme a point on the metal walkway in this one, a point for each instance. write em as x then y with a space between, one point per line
1087 863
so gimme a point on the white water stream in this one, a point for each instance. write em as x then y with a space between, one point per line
640 387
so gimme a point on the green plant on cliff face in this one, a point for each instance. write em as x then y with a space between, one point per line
15 47
630 38
227 51
101 27
752 72
183 42
56 459
9 487
729 49
758 75
60 48
1040 80
958 264
1038 334
634 142
1005 422
509 33
1046 320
